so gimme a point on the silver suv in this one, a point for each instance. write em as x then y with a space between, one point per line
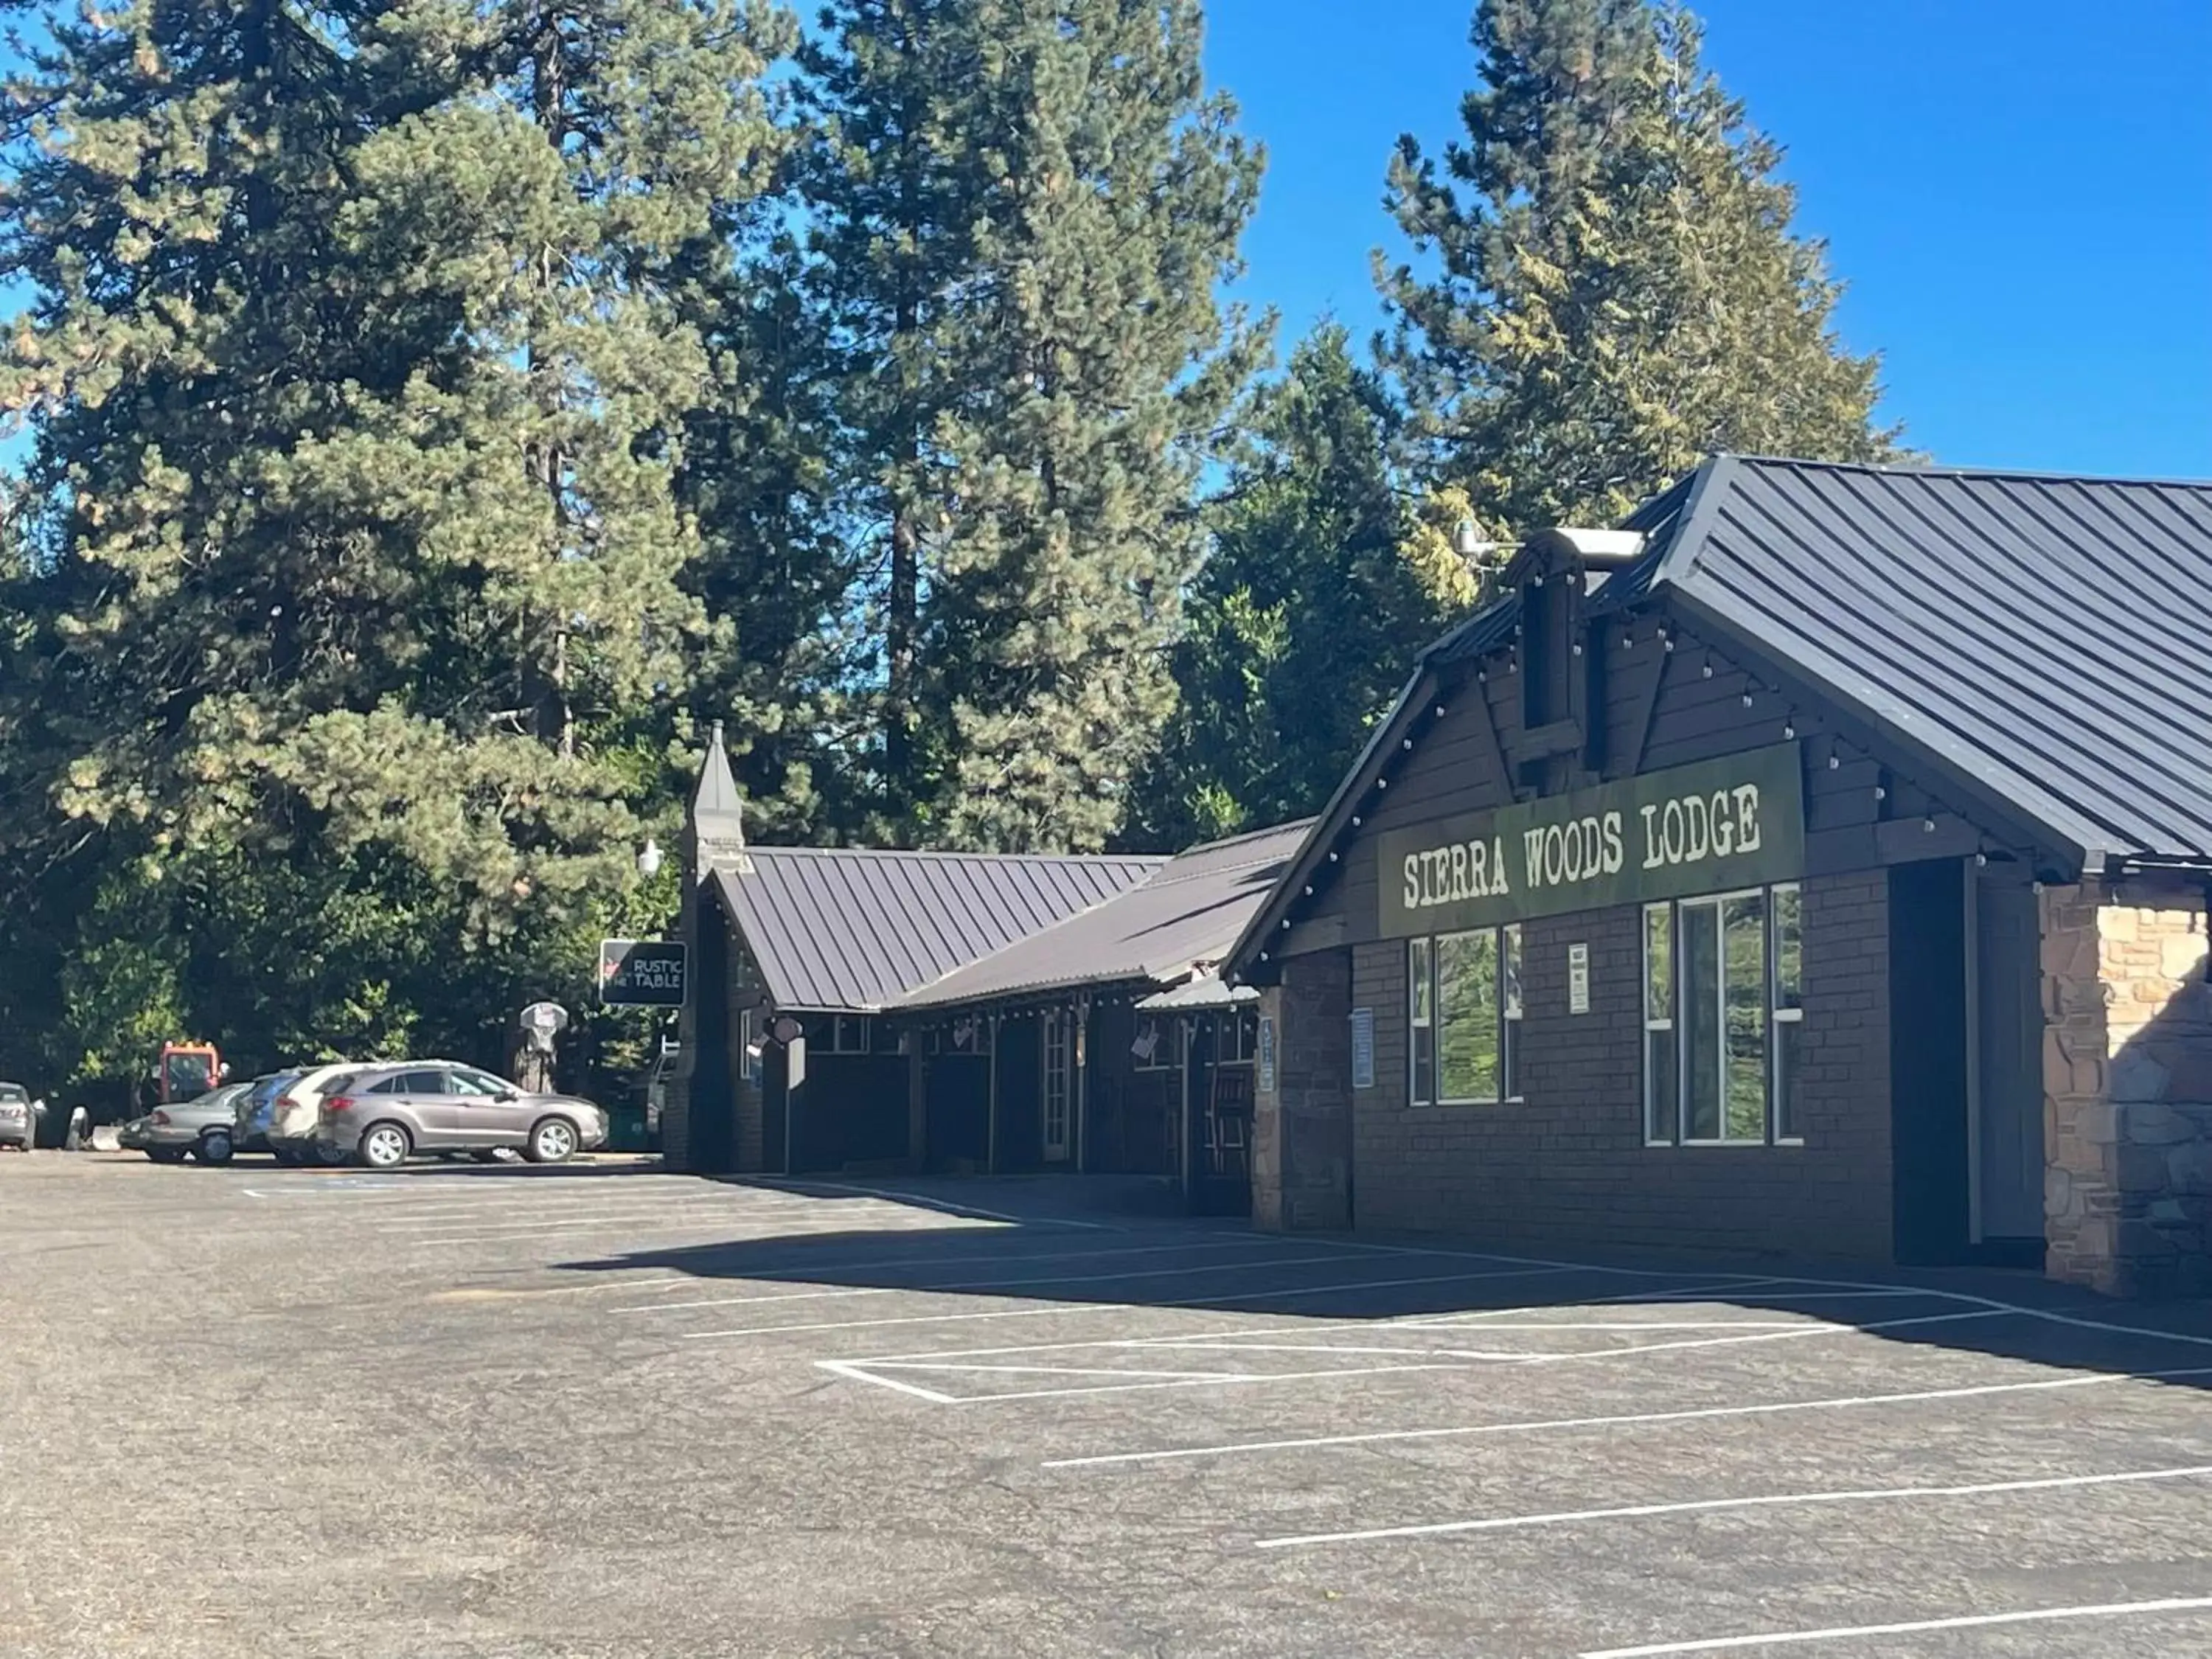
381 1114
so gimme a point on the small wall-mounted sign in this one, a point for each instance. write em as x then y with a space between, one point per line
1267 1079
642 973
1363 1048
1578 979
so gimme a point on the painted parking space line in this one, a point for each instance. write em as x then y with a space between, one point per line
1115 1307
802 1267
803 1189
1620 1421
1912 1627
1476 1359
914 1389
996 1285
1709 1505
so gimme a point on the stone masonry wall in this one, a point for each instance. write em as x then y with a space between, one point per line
1301 1128
2127 1073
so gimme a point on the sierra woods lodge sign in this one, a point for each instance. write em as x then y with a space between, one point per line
1736 821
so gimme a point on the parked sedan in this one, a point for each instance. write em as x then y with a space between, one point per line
202 1128
380 1115
257 1110
19 1116
295 1112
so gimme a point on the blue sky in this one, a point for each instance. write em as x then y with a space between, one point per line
2019 193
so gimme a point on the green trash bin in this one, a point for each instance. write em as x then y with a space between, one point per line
626 1130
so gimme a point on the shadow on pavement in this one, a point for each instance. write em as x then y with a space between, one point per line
1047 1241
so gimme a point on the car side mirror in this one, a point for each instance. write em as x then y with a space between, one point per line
507 1096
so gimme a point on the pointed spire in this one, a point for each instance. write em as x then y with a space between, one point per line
717 824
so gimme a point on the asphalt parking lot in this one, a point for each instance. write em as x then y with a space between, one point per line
601 1411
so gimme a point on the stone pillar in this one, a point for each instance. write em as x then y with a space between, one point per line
2127 1090
1301 1127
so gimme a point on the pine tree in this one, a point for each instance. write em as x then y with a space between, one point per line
1024 209
355 393
1320 588
1606 286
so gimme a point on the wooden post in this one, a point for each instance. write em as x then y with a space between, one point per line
1078 1060
991 1146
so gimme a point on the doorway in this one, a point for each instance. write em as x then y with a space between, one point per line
1966 1065
2004 1101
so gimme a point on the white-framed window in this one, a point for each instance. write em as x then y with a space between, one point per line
1722 1003
838 1034
1464 1008
1152 1049
1788 957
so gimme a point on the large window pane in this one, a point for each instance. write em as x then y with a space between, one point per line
1467 1015
1786 1035
1660 1065
1701 1022
1745 998
1662 1061
1659 962
1420 1002
1509 1032
1789 949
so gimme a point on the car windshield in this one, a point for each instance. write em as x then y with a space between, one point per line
14 1091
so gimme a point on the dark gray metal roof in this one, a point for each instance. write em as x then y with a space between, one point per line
855 929
1183 916
2049 638
2045 640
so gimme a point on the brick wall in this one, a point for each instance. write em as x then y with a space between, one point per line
1566 1167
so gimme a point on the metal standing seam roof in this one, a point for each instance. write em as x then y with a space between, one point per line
2046 639
2049 638
853 928
1184 916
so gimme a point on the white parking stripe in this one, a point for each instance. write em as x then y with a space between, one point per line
1630 1419
799 1269
803 1187
915 1389
1974 1621
1697 1506
1116 1307
998 1284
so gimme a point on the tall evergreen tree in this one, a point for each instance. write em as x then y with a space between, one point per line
356 394
1606 286
1022 211
1320 587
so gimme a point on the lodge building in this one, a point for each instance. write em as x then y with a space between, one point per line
1816 864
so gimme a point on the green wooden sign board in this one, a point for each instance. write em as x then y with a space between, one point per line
1736 821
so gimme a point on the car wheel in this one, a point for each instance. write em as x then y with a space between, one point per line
166 1154
324 1153
553 1141
287 1156
383 1147
215 1148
